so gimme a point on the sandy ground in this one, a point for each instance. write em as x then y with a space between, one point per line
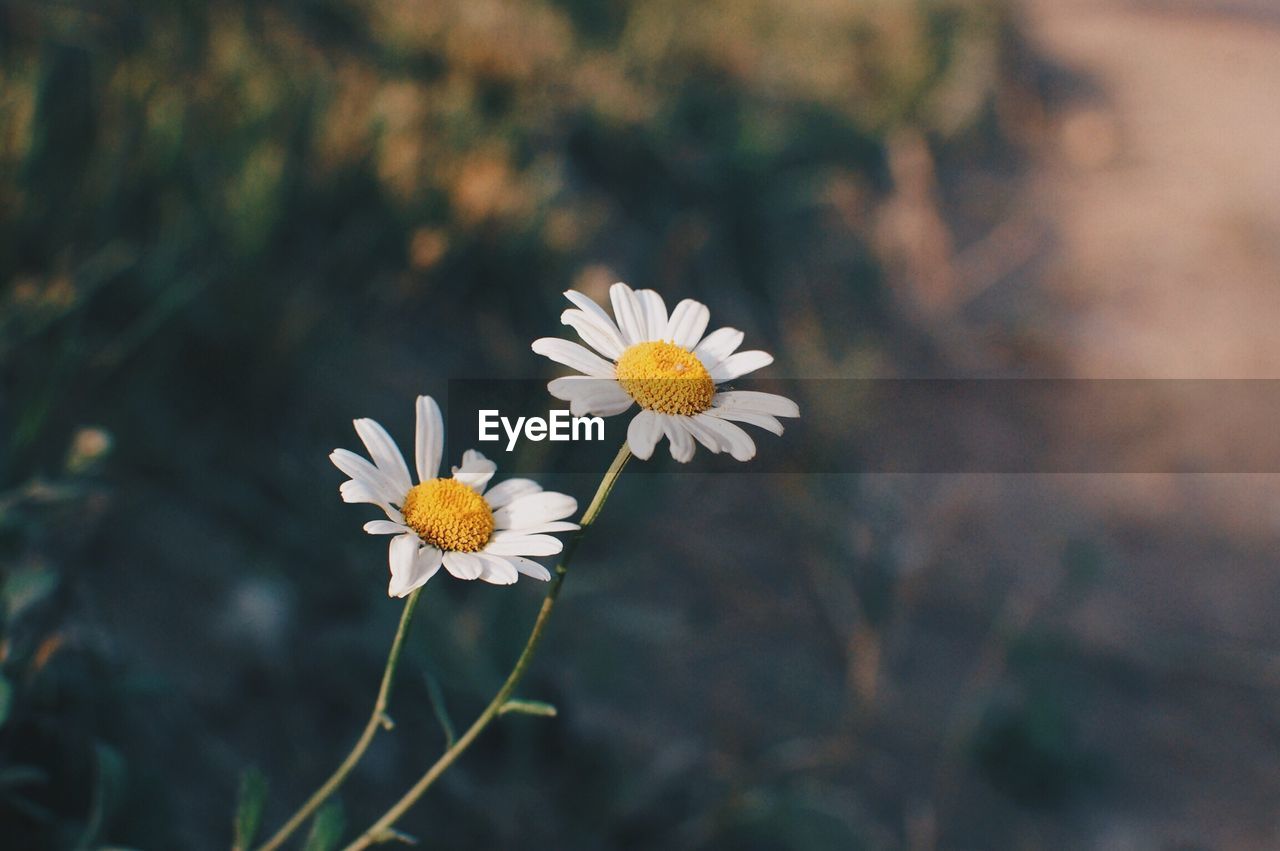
1160 185
1166 187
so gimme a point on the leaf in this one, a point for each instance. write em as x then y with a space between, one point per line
528 707
326 828
252 799
393 835
6 699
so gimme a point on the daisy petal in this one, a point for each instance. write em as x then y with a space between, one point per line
586 305
603 338
429 560
370 476
733 438
756 402
401 553
424 566
643 434
545 528
703 435
687 323
515 544
587 396
354 466
627 312
428 438
385 454
764 421
679 438
463 565
386 527
529 568
740 364
717 346
654 312
476 471
497 570
355 491
504 492
532 509
573 356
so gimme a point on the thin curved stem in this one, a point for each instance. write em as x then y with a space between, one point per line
378 719
381 829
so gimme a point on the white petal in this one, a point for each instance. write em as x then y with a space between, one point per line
687 323
428 438
756 402
385 454
368 475
529 568
545 528
605 339
429 560
764 421
497 570
643 433
740 364
654 311
586 395
476 470
400 554
531 509
424 566
515 544
614 405
627 312
504 492
386 527
358 490
588 306
734 439
678 437
463 565
573 356
717 346
703 435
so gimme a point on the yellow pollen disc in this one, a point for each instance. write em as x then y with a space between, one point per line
666 378
449 515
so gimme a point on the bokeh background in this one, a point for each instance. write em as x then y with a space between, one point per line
226 229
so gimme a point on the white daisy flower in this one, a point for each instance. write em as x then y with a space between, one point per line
474 533
664 364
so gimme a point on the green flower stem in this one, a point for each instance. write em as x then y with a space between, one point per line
378 719
382 828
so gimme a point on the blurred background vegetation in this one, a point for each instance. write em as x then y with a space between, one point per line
226 229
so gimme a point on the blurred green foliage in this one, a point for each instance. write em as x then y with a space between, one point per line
221 176
248 818
226 228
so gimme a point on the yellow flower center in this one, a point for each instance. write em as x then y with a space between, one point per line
666 378
448 515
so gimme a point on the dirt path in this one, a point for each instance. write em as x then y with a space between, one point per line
1163 186
1167 187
